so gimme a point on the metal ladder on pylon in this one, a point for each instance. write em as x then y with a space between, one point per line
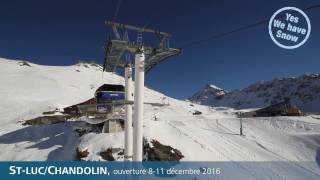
139 38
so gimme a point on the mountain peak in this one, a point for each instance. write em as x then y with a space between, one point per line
303 91
208 94
211 86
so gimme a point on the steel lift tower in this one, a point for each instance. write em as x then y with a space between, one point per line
117 51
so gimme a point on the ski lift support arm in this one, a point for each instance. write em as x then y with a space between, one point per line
134 28
120 45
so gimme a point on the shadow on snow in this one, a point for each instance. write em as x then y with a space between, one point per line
61 138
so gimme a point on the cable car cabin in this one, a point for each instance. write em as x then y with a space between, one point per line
108 93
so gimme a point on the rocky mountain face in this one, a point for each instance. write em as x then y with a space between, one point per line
208 95
303 92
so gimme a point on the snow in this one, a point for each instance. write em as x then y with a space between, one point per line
96 143
303 91
208 95
26 92
214 86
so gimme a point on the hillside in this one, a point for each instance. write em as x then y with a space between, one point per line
303 91
27 90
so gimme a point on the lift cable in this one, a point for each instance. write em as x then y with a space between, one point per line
117 10
115 16
216 36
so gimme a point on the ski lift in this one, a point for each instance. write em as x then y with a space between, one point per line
108 97
109 104
119 45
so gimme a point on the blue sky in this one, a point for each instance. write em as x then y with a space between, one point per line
60 32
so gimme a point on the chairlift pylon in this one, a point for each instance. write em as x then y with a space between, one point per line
118 45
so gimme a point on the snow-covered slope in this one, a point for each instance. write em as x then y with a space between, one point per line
303 91
27 91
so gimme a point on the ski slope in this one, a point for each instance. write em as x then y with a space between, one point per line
27 91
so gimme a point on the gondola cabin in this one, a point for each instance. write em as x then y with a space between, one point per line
107 94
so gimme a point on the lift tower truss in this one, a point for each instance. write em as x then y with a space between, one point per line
119 45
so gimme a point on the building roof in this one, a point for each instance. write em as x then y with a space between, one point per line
111 87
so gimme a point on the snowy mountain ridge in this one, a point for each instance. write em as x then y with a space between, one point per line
303 91
208 93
